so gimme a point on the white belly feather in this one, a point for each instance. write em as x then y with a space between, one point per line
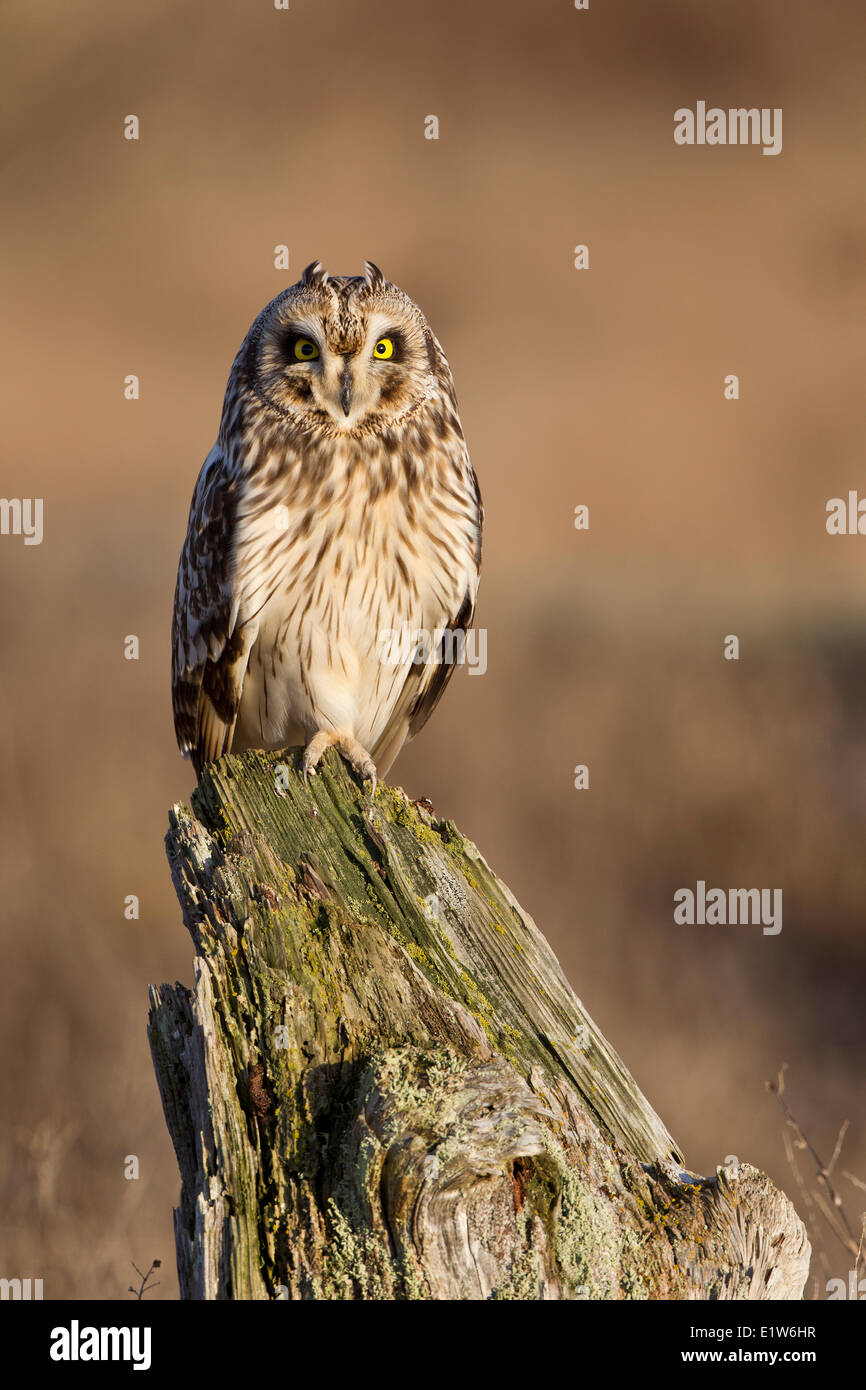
317 662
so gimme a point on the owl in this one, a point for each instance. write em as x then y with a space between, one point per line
334 539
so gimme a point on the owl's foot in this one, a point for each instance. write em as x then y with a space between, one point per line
351 750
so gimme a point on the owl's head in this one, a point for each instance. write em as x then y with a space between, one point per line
347 354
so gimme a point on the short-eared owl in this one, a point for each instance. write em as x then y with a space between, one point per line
337 505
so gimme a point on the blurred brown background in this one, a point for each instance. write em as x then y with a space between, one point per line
603 387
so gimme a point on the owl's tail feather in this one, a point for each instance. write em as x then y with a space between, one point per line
214 736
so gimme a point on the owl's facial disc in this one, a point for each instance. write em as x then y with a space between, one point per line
346 362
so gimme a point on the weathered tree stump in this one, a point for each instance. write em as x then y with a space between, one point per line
382 1085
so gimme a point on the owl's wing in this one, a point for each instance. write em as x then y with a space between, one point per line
431 693
210 649
425 683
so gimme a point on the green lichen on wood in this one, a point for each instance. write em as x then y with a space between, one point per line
413 872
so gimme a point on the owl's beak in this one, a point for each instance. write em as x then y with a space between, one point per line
346 390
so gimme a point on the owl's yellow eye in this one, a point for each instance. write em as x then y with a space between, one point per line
384 349
305 350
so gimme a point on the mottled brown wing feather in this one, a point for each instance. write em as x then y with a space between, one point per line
209 653
429 697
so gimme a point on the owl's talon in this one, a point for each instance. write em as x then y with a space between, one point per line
313 752
367 771
356 755
360 760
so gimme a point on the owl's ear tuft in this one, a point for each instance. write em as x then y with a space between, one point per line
314 274
373 276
